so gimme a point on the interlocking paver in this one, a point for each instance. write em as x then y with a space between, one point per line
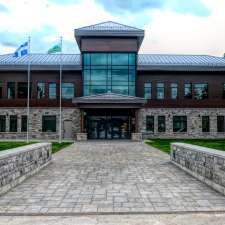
111 176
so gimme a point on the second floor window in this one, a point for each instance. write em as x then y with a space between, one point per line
188 90
148 90
200 91
52 91
22 89
174 90
40 90
223 94
1 89
11 90
160 90
67 90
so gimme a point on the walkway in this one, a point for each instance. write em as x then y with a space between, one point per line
90 177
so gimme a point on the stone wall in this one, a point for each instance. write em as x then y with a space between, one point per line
19 163
194 122
35 123
207 165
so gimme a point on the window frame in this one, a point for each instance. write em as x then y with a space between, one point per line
174 86
185 127
148 90
205 120
221 124
12 119
3 118
24 128
160 130
44 126
160 88
150 127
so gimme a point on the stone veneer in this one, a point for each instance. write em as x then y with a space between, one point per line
19 163
35 123
194 122
207 165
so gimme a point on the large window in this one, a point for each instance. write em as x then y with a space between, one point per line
223 93
22 89
161 124
13 123
1 89
180 124
150 123
2 123
205 124
67 90
220 124
41 90
11 90
52 91
200 91
49 124
160 90
109 72
23 123
148 90
188 90
174 90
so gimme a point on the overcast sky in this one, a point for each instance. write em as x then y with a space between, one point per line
172 26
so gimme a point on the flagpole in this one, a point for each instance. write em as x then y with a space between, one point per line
28 90
60 94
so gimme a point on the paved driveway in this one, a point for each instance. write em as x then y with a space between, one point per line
110 177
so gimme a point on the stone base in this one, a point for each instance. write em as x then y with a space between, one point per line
81 136
136 136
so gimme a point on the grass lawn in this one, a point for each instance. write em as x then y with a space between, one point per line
164 144
55 145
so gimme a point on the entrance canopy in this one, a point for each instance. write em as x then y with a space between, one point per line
109 100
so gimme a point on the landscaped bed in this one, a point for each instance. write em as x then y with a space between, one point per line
55 145
164 144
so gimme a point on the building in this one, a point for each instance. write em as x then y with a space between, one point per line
109 91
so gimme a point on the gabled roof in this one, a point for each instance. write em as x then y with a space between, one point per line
109 29
109 98
109 26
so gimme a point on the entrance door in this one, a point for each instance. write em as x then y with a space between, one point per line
67 129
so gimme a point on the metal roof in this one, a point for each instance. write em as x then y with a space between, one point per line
180 62
109 29
109 26
145 61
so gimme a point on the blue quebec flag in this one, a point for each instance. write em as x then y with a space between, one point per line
22 50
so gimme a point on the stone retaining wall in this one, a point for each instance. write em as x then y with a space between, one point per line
19 163
207 165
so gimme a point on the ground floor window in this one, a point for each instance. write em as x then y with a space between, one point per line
150 123
205 124
23 123
13 123
220 124
180 124
48 123
2 123
161 124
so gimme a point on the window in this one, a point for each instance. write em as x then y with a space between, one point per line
52 91
67 90
200 91
147 90
13 124
24 124
109 72
41 90
1 89
188 90
205 124
161 124
220 124
174 90
160 90
11 90
150 123
22 90
49 124
223 94
2 123
179 124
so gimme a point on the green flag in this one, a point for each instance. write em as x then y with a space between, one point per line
54 49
